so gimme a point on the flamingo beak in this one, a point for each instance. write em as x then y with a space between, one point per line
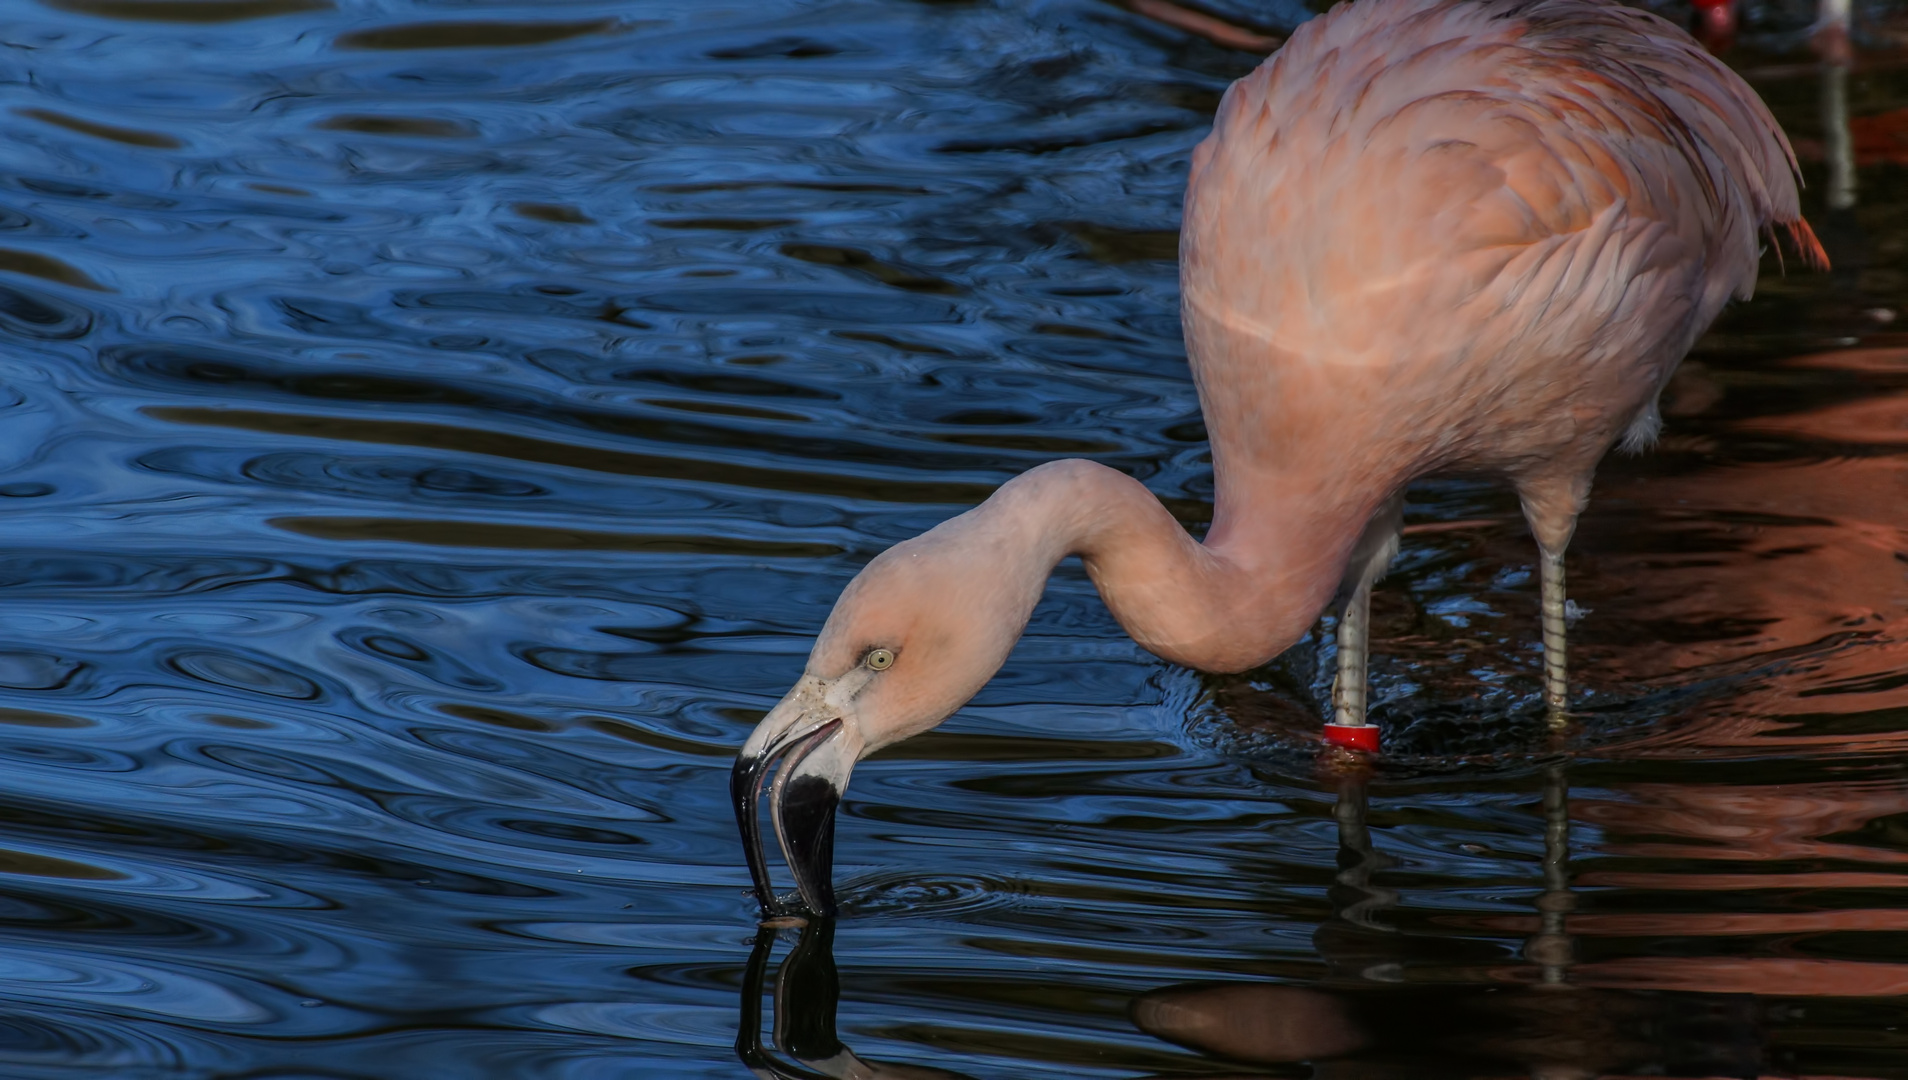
815 763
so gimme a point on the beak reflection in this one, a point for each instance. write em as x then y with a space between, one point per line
802 803
807 998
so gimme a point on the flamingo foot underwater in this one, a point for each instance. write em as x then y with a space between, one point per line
1426 236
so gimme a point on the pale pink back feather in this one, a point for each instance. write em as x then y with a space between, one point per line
1434 234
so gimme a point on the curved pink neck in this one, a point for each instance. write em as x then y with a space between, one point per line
1270 563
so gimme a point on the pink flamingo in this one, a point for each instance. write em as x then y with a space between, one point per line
1426 236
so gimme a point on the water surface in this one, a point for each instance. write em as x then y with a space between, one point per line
435 431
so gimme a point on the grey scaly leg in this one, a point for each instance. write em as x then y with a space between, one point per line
1556 680
1349 691
1368 562
1552 502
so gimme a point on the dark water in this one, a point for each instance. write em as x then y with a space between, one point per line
435 431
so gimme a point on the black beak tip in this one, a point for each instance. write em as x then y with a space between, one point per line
806 816
745 792
805 821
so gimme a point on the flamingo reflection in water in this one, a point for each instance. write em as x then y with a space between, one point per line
1550 1017
1426 236
1359 1023
1546 1018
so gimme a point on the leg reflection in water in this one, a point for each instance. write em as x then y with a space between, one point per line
1365 1021
1357 946
807 996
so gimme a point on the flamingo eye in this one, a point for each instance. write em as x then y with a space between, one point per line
879 659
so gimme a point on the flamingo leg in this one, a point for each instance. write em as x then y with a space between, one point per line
1552 501
1350 691
1556 677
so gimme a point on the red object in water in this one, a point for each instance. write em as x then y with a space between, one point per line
1715 23
1353 736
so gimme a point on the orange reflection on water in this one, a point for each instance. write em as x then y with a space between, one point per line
1782 582
1787 582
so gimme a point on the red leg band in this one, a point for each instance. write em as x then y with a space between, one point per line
1361 737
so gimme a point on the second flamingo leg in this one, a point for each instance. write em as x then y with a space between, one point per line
1552 500
1555 611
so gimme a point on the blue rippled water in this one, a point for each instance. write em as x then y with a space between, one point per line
434 432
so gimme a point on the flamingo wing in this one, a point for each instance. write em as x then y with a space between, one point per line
1532 206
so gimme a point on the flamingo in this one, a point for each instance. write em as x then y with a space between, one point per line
1425 236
